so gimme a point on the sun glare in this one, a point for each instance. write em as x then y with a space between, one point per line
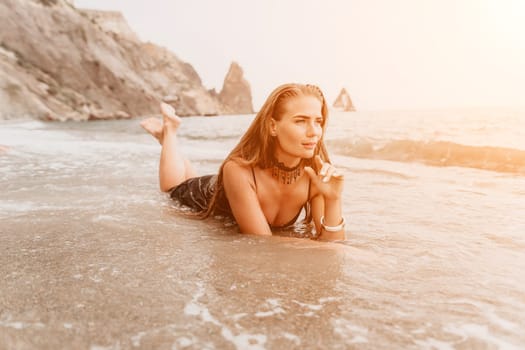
505 20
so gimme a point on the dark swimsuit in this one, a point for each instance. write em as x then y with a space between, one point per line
197 192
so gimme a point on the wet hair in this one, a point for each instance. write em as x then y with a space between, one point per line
257 146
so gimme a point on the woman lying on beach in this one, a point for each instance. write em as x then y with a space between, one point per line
279 167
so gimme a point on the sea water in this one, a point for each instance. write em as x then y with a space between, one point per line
94 256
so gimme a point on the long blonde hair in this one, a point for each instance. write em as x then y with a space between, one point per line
257 146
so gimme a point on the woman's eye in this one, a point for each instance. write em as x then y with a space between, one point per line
300 121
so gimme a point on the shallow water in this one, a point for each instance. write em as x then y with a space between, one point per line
95 257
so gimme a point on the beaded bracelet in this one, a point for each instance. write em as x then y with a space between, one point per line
333 228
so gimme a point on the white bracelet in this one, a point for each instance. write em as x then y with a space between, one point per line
333 228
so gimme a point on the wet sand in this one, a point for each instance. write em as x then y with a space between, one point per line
111 284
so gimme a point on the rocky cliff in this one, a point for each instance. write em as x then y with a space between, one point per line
58 62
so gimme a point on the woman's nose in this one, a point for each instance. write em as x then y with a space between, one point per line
313 129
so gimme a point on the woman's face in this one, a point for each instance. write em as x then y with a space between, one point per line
299 129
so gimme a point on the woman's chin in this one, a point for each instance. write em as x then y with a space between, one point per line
308 154
302 153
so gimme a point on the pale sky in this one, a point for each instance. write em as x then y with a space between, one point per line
388 54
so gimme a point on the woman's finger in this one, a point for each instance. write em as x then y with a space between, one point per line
313 176
328 174
338 175
324 169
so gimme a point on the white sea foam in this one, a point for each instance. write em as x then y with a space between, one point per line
490 314
241 340
275 308
96 279
501 322
115 346
351 333
269 313
328 299
185 342
245 340
194 308
418 331
431 344
238 316
15 325
292 337
104 217
312 307
20 324
135 339
358 339
481 332
16 206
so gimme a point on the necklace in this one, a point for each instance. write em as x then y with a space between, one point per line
285 174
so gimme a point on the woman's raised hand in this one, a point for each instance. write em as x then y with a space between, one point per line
328 180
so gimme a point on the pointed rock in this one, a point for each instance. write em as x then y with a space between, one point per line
344 102
236 95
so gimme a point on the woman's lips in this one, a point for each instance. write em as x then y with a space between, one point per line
309 145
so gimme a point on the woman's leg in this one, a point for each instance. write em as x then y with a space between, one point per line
174 168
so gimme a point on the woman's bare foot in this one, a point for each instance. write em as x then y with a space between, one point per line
170 119
154 127
157 128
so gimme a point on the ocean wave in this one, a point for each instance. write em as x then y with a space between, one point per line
435 153
207 137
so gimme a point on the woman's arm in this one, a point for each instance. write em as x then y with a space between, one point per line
327 202
331 212
240 191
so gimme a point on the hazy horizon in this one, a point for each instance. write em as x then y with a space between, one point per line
407 54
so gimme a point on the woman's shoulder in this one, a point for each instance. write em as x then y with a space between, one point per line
236 174
235 168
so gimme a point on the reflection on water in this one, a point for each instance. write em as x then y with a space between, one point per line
93 256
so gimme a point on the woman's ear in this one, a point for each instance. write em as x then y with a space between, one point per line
273 127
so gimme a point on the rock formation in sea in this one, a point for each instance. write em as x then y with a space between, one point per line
344 102
58 62
236 94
